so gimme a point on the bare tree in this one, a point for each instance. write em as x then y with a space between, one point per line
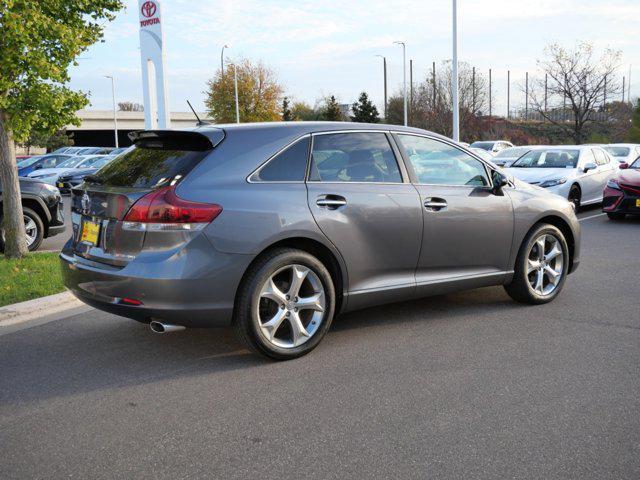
577 84
431 106
130 107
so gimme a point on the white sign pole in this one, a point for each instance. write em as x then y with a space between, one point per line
152 57
454 76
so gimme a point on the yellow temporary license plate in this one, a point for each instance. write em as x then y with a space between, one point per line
90 232
60 184
638 202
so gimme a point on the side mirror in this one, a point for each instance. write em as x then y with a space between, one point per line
500 180
589 166
623 166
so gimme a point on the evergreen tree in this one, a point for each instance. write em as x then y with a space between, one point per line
287 116
634 131
364 110
331 110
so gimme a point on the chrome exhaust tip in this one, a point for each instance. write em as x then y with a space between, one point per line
159 327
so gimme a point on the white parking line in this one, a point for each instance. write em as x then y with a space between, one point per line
591 216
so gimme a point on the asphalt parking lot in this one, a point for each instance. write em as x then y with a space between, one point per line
470 385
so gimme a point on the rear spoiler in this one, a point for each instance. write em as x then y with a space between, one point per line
178 139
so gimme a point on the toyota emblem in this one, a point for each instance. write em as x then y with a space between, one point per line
85 203
148 9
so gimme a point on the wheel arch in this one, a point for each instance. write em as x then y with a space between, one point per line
564 227
326 255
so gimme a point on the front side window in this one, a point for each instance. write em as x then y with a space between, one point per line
354 157
552 158
437 163
290 165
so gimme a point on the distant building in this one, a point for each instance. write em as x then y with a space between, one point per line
96 127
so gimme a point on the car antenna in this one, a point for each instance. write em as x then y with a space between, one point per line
200 122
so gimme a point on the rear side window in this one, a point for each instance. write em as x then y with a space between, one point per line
290 165
601 157
148 167
354 157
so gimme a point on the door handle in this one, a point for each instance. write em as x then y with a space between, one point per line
331 201
435 204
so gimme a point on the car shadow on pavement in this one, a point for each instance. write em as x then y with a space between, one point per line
98 351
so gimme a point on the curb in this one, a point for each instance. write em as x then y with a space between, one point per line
37 308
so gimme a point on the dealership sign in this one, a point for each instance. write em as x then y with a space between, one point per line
152 57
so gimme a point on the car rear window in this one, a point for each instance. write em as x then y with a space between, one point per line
148 167
618 151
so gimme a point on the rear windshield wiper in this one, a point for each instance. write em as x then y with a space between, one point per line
93 179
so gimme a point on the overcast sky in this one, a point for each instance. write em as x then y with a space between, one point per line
327 47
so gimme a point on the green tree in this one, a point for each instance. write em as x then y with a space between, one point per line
258 94
634 131
364 110
287 115
304 112
39 39
45 139
331 110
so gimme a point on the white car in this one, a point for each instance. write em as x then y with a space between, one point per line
483 154
504 158
492 146
577 173
623 152
50 175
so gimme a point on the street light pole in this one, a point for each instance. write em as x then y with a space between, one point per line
235 85
454 71
404 78
384 70
222 59
115 118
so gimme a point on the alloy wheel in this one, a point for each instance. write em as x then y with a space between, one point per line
545 264
291 306
31 230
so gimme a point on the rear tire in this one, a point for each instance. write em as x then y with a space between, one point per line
575 196
541 266
616 216
285 304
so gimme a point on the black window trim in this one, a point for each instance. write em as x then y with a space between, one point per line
250 178
397 154
489 169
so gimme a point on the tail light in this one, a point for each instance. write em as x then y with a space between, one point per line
163 210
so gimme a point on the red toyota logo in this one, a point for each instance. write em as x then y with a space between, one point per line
148 9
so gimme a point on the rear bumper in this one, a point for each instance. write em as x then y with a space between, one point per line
194 287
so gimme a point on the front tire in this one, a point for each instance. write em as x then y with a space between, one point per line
575 196
285 304
541 266
34 230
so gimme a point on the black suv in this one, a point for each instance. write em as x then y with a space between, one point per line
42 208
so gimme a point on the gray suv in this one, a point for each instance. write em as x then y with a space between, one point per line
275 228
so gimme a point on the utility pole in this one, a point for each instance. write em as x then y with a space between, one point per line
508 93
235 86
546 80
564 99
473 90
433 77
526 96
384 72
454 71
490 109
411 90
604 96
623 88
404 78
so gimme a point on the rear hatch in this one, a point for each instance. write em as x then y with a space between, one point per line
130 204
